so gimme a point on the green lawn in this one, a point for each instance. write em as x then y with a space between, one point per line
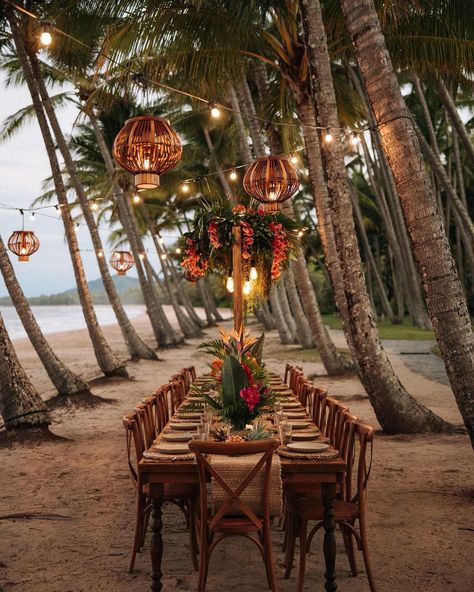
389 331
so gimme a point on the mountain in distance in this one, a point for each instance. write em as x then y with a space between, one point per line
127 287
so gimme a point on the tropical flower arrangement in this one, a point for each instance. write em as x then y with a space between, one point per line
238 388
268 240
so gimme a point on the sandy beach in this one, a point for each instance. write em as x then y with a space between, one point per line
76 503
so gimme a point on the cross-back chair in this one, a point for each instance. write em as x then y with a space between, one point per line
316 398
182 495
214 527
350 506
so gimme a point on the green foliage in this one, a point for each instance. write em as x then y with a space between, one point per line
234 380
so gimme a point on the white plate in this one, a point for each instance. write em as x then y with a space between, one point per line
296 414
291 404
171 448
307 446
183 425
305 435
179 436
299 425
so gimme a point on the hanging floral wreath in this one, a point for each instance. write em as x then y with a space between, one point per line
268 241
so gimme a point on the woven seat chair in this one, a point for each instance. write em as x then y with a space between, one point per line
182 495
214 527
350 507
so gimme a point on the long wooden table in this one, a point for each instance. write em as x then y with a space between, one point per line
302 476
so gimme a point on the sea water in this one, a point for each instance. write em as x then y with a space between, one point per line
54 319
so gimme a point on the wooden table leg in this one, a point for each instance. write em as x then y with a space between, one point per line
328 492
156 547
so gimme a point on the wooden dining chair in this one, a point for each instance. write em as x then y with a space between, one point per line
177 392
316 398
331 419
218 525
350 506
182 495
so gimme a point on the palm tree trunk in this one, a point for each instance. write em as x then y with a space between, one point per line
22 409
454 117
302 326
444 295
396 409
245 152
283 330
65 381
285 307
210 299
106 359
222 178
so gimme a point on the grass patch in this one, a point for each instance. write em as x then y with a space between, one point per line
388 331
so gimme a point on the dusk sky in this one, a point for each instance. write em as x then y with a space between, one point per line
23 167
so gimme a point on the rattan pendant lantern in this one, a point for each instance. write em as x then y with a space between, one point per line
271 180
122 261
23 243
147 147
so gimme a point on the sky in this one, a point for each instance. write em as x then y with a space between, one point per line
23 167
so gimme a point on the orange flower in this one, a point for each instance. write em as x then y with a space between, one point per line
216 368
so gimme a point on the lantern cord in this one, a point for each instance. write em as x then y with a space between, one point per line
141 78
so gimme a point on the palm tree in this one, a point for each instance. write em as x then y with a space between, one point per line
396 409
68 384
106 359
23 411
444 294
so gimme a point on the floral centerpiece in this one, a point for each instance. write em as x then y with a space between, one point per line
238 387
268 240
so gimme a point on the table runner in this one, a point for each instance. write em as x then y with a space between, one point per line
233 470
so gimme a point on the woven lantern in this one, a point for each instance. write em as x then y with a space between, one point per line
147 147
271 180
122 261
23 243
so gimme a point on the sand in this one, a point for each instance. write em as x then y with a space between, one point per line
78 503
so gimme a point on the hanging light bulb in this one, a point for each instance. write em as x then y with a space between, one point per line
233 175
178 251
328 136
300 233
294 159
161 240
141 256
77 226
32 216
253 273
229 285
94 206
247 288
100 253
185 187
58 210
354 140
215 111
136 198
164 256
272 195
45 36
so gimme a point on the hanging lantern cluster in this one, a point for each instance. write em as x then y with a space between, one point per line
23 243
147 147
122 261
271 180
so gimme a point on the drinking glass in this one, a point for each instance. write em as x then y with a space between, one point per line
287 432
201 431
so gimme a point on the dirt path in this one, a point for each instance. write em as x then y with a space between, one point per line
420 496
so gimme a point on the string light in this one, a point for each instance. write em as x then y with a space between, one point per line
328 136
178 251
354 140
185 187
100 253
233 175
161 240
230 284
215 111
141 256
94 206
45 36
136 198
32 216
58 210
300 233
164 256
77 226
294 159
253 273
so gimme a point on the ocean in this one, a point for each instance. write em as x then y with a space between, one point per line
54 319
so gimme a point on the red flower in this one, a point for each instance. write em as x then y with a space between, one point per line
216 369
251 396
239 209
192 260
247 239
213 231
249 374
281 248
